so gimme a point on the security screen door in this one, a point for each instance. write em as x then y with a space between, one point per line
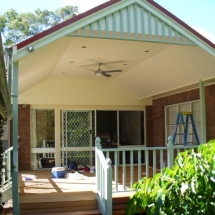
77 135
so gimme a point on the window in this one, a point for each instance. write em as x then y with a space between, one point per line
170 121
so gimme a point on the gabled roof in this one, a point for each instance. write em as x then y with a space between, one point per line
157 52
102 7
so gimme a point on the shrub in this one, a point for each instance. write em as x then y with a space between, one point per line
187 188
2 124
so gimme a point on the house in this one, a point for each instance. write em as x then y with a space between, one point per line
63 98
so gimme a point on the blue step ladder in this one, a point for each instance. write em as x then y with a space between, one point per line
180 120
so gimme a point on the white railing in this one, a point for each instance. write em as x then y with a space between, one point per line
6 173
103 180
151 159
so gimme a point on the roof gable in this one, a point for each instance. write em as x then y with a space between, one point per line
134 22
120 19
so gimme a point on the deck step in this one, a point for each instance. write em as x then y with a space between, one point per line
119 205
91 212
69 203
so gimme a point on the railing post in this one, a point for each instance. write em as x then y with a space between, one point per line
109 188
97 146
170 152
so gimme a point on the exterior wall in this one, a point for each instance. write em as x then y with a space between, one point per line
24 137
154 121
210 111
157 121
80 93
24 140
158 116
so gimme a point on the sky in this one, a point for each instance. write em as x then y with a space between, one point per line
199 14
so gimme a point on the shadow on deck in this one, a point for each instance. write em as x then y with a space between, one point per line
44 194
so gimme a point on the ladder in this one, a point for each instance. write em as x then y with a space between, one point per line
180 120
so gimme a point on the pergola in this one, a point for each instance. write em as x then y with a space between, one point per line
157 53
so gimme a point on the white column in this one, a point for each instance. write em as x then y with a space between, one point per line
57 138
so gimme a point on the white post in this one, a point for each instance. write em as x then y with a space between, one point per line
170 152
97 146
57 139
109 188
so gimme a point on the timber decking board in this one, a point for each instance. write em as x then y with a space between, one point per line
92 212
56 197
65 196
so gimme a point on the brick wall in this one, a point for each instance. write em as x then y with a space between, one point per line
24 140
158 118
210 111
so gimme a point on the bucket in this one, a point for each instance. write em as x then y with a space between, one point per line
58 172
92 169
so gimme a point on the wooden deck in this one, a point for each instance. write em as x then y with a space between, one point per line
43 189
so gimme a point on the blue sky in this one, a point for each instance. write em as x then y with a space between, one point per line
199 14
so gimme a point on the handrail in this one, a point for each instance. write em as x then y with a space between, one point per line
103 180
148 158
6 171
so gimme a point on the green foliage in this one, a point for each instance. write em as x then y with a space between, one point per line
2 124
16 27
187 188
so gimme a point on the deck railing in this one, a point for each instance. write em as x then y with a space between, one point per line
6 173
150 159
103 180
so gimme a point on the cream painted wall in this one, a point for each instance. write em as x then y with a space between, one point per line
81 94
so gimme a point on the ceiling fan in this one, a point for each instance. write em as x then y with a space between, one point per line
99 71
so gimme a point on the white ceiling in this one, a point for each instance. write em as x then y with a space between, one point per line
144 74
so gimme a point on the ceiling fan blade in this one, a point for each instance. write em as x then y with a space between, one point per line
102 62
109 71
106 75
90 70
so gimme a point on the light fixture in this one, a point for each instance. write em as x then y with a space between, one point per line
24 106
98 74
30 48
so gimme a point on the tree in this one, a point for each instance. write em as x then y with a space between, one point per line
187 188
16 27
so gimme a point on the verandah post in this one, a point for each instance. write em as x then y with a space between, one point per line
170 152
97 146
109 187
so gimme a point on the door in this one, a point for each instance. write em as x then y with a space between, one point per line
77 136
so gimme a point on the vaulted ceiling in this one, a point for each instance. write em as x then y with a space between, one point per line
149 68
